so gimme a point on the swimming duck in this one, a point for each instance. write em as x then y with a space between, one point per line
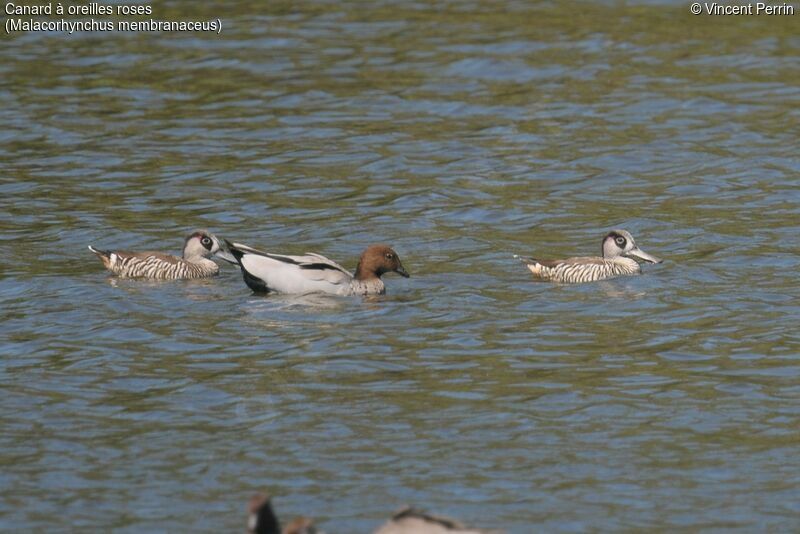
412 521
620 255
261 519
199 246
264 272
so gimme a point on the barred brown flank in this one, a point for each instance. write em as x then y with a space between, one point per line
620 255
195 263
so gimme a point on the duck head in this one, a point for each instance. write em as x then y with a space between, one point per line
201 243
377 260
620 243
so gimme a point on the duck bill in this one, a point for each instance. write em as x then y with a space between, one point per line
640 254
226 256
402 272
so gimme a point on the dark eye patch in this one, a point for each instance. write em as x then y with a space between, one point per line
206 242
620 240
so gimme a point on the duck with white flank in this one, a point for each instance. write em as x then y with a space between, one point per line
195 263
265 272
621 257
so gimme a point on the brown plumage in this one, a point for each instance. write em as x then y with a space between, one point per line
198 247
377 260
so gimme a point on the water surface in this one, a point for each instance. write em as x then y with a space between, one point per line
460 134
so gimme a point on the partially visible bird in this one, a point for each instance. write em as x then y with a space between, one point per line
411 521
261 519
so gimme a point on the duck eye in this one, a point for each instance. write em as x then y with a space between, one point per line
620 240
389 256
205 241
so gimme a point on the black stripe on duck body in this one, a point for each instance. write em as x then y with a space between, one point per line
198 248
620 257
266 272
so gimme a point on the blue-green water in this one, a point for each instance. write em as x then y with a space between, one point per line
460 134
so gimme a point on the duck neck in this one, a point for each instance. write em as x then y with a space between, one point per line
196 259
629 265
364 274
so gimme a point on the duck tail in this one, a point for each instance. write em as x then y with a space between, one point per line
238 250
235 249
261 517
253 282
